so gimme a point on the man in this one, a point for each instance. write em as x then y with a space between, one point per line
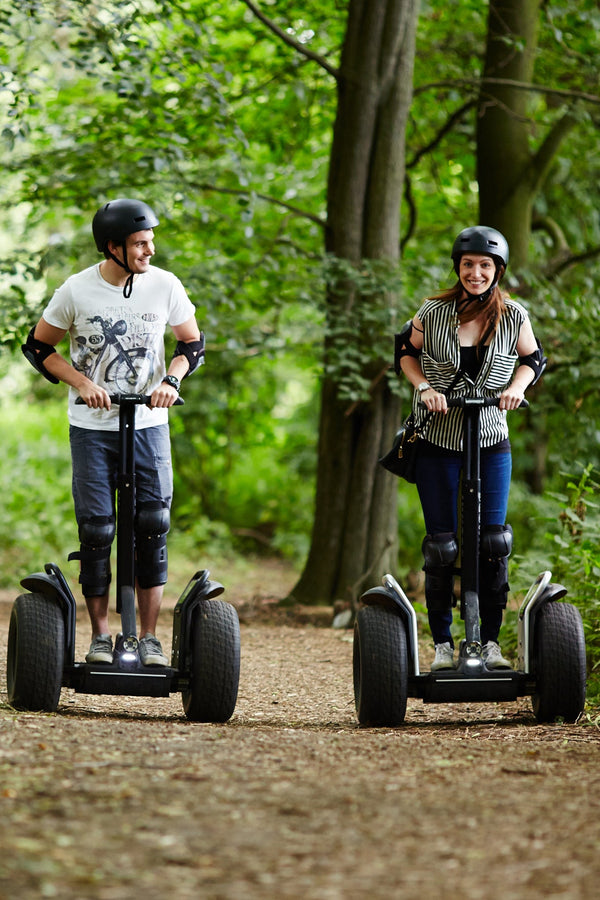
116 313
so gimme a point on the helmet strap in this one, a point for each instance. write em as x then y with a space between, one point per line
128 286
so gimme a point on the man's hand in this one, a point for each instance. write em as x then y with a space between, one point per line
94 396
163 396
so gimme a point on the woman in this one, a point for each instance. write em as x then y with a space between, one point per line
466 342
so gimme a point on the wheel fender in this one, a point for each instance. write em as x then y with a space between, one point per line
542 591
53 584
200 587
391 596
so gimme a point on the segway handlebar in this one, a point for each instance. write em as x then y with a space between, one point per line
470 402
142 399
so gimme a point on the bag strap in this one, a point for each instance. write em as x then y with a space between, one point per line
419 429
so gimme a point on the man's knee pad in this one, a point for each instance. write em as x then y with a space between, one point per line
439 552
152 524
495 548
96 536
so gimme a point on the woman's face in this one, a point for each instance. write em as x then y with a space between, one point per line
476 272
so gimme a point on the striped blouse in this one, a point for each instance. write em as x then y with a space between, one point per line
440 361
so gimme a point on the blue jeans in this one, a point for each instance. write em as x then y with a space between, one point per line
438 483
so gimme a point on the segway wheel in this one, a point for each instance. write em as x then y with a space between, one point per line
560 665
35 653
380 667
215 668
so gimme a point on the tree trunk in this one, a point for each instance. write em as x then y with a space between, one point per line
510 174
355 529
505 170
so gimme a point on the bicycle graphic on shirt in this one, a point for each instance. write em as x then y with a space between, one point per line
130 369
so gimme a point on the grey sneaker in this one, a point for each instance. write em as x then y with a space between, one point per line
151 652
101 649
444 657
492 656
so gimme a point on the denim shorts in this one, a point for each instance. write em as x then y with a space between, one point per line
95 460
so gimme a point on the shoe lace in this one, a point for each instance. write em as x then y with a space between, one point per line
152 643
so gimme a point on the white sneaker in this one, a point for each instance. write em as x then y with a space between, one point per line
151 652
444 657
492 656
101 649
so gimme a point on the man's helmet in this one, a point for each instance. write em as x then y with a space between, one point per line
482 240
116 220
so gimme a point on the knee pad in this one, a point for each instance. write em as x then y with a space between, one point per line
439 552
495 548
152 524
96 536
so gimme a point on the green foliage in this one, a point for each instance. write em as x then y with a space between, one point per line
37 524
565 539
199 108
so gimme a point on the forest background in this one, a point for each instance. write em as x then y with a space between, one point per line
227 119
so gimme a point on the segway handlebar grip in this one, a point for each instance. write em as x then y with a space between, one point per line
464 402
142 399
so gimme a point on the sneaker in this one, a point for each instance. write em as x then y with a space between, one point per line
151 652
492 656
444 657
101 649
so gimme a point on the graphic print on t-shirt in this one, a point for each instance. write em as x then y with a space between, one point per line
116 355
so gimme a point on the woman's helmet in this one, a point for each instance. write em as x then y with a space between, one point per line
483 240
116 220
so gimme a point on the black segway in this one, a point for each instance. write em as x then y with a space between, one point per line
552 660
205 655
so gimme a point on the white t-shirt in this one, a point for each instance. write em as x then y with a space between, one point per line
118 343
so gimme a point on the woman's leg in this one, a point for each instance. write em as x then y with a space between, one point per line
496 542
437 483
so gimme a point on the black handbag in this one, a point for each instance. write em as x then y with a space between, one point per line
401 460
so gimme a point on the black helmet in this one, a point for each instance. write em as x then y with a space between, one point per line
482 240
116 220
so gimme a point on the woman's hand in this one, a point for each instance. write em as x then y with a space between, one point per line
512 397
434 401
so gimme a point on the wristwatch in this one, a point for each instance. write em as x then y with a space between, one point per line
424 386
172 381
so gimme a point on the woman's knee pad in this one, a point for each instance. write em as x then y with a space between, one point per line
96 536
495 548
439 553
152 524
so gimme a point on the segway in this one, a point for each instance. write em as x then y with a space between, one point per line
205 656
552 661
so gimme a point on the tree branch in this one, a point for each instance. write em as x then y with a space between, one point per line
456 116
290 41
509 82
239 192
544 157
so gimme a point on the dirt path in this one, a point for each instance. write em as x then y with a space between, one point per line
122 797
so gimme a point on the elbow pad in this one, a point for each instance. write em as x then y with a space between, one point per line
536 361
193 352
403 346
35 352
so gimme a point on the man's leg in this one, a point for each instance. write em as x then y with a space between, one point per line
149 603
154 493
94 457
98 612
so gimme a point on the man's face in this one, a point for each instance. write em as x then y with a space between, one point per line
140 250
